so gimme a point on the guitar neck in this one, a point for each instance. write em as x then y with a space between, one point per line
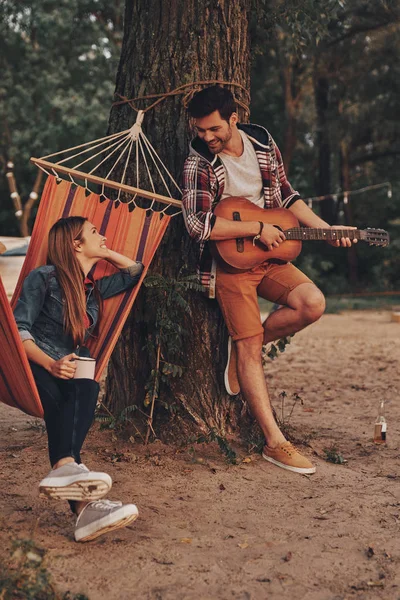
310 233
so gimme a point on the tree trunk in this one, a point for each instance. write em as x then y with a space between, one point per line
292 98
324 181
351 252
166 45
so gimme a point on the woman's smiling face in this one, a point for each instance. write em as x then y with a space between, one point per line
92 243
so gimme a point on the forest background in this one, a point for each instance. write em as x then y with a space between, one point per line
324 81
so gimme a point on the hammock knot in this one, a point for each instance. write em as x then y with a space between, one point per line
136 128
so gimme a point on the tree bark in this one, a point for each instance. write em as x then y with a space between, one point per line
166 45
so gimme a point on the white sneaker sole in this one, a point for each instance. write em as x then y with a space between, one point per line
302 470
107 524
226 373
75 487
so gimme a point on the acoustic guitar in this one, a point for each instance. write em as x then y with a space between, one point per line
241 254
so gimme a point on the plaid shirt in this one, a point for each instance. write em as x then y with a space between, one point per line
203 184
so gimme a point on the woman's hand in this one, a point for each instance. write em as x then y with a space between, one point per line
65 367
119 260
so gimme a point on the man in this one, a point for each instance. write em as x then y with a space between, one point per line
230 159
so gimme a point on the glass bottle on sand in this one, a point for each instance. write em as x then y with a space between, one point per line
380 425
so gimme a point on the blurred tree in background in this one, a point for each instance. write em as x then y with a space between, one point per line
325 82
325 79
57 61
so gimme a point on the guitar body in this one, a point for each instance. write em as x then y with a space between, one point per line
239 254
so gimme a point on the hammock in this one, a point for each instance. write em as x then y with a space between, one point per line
130 229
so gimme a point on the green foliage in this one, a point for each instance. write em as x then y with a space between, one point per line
306 22
58 61
223 444
167 305
26 576
285 417
333 455
353 47
378 302
277 347
108 420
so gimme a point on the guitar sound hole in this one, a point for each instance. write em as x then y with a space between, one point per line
239 241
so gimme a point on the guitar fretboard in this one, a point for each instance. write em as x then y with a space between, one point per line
309 233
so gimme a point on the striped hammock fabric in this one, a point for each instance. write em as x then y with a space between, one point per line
135 234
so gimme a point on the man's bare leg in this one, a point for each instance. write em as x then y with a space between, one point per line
252 383
305 305
254 388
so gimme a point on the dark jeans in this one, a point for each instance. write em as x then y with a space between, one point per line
68 406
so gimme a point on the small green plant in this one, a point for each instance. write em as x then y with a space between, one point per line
284 414
224 446
276 348
255 439
165 341
108 420
284 418
26 577
36 425
333 455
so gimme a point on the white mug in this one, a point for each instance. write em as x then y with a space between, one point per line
85 368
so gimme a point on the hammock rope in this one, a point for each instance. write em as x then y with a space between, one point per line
187 91
119 148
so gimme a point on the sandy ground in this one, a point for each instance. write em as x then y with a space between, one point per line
10 267
209 530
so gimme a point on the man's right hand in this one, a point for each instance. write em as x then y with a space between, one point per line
65 367
271 236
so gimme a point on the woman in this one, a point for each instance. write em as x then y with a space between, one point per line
57 312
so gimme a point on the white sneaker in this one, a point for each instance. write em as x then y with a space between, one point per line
231 380
75 482
101 517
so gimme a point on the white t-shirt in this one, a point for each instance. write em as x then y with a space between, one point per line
243 175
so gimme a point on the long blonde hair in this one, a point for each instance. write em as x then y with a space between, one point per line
61 253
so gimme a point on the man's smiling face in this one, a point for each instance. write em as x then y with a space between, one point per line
215 131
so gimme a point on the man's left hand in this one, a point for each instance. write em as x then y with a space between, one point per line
344 242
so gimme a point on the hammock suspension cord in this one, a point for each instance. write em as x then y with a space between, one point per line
187 91
119 147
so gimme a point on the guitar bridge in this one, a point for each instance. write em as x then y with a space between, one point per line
239 241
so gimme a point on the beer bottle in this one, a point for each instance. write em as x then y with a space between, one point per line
380 425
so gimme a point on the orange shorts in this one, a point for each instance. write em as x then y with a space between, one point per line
237 294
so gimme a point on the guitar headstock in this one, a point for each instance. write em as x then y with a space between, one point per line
375 237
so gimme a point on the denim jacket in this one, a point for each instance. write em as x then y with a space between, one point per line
39 310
